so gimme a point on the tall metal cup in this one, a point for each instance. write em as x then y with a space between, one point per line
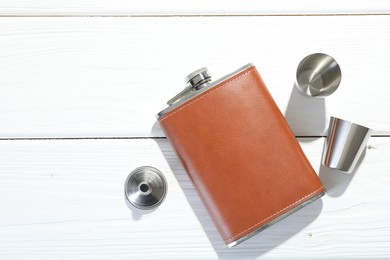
345 144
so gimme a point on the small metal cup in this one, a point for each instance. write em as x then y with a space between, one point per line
318 75
345 144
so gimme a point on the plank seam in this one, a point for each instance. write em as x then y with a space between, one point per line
190 15
135 137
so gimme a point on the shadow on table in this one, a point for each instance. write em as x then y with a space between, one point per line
336 182
137 214
255 246
305 114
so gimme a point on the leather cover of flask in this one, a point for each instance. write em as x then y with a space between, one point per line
241 156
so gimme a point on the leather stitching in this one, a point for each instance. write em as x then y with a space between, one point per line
212 91
253 226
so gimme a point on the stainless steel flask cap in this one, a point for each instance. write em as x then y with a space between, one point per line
199 77
195 81
318 75
145 188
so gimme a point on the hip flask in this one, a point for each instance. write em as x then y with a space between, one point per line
239 152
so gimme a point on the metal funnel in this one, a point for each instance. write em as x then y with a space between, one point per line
318 75
345 144
145 188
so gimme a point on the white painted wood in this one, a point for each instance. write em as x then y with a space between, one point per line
64 199
109 76
203 7
104 77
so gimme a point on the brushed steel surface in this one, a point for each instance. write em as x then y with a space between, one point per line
145 188
345 144
318 75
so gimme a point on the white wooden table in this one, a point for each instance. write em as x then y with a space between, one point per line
81 82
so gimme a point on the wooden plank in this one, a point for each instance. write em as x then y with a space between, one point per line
108 77
64 199
202 7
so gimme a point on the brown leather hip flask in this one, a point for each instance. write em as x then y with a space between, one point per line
239 153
